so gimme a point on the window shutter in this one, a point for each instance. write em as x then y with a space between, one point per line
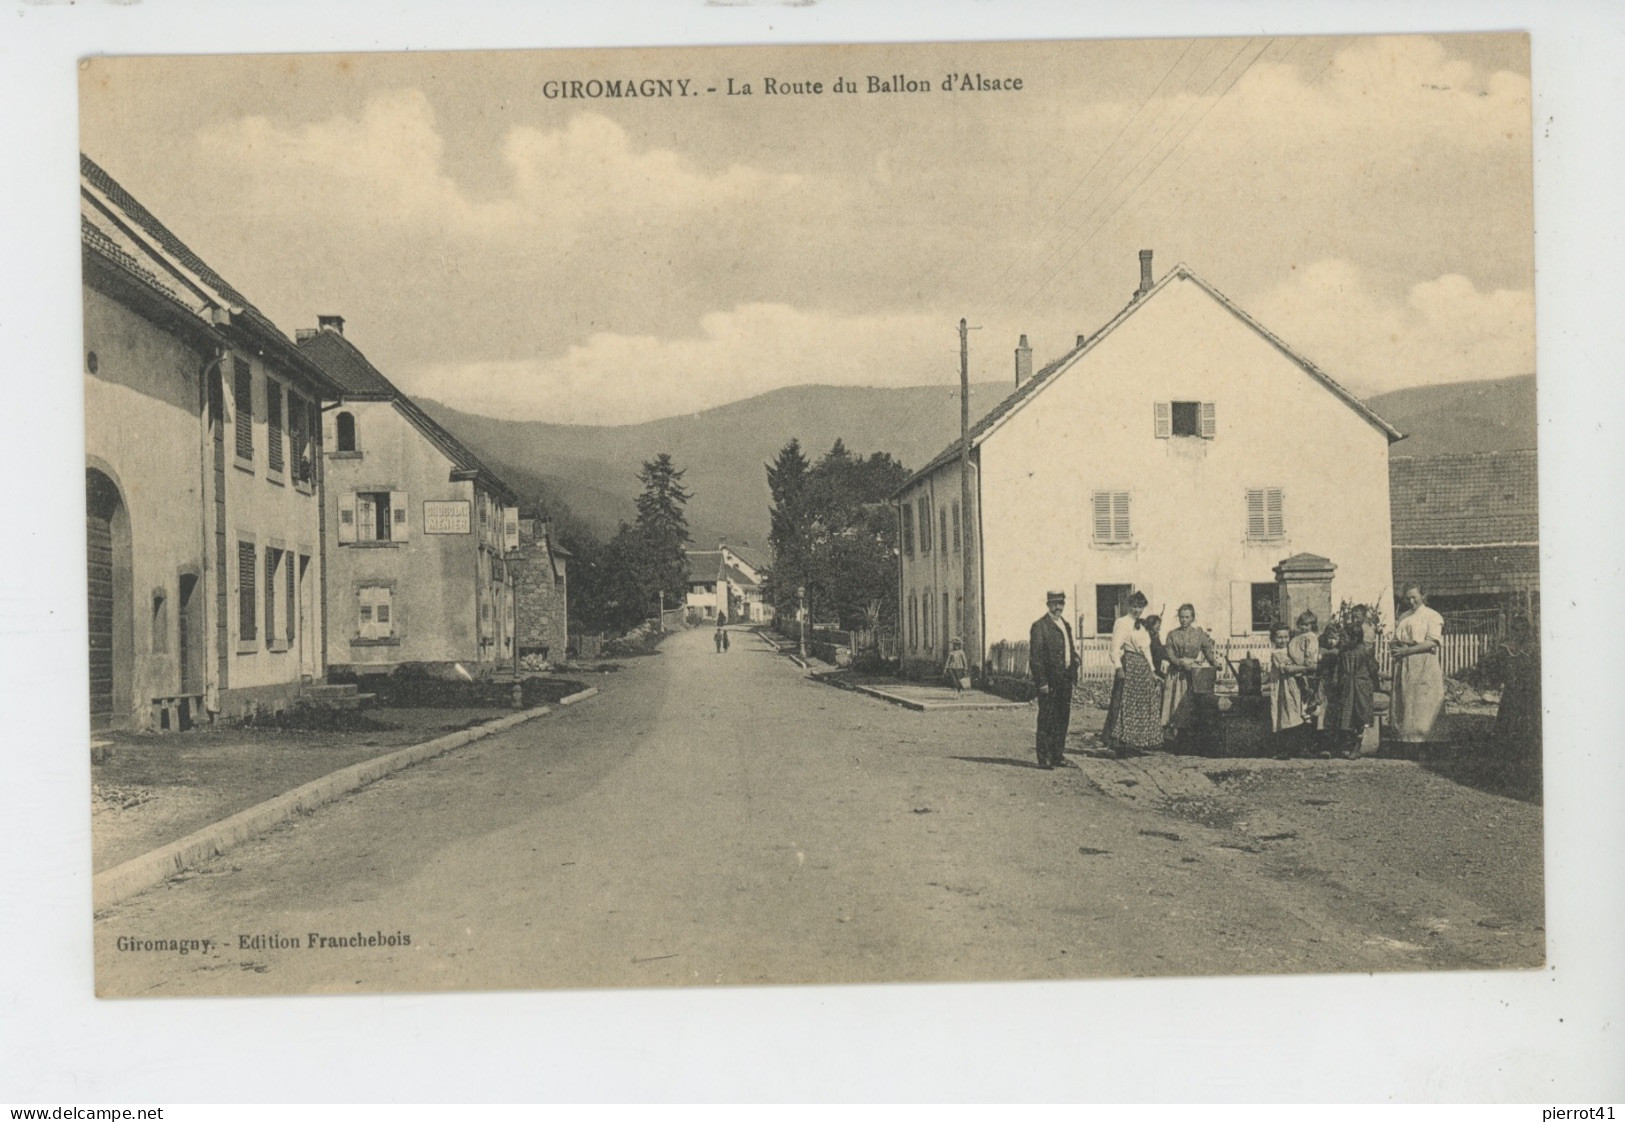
1241 608
1275 512
1207 420
1256 525
270 595
273 425
242 407
510 529
246 631
383 613
1164 420
1120 521
399 517
346 516
293 609
908 528
364 625
1103 516
942 522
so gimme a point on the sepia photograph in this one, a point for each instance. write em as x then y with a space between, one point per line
962 512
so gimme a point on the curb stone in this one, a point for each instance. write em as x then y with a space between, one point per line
112 886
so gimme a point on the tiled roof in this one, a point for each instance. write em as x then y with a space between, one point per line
738 576
346 365
1466 499
703 564
267 332
1469 570
980 429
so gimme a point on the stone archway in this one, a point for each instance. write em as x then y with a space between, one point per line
111 601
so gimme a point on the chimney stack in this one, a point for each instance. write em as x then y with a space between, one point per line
1145 274
1024 361
331 323
1082 339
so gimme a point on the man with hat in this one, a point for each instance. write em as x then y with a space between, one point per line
1052 657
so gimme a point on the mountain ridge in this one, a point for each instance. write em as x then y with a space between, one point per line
591 470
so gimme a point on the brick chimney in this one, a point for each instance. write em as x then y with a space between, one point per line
331 323
1145 274
1024 361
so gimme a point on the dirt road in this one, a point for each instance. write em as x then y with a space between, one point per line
722 819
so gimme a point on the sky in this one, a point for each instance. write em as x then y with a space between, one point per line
603 261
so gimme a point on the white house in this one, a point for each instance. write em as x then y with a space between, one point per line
726 580
1182 450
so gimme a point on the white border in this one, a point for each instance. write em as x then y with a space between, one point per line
1550 1035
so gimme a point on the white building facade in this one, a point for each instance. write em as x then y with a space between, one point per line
1181 451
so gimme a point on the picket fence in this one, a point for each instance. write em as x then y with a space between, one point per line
1009 660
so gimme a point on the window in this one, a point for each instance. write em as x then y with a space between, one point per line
925 620
956 528
344 429
1266 606
242 405
373 516
273 425
273 563
945 618
1266 519
1111 520
374 611
246 604
1111 601
908 529
925 525
1184 418
913 620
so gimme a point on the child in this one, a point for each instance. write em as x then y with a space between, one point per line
1350 694
957 668
1287 715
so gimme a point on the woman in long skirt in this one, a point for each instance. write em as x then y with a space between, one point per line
1418 700
1189 649
1134 720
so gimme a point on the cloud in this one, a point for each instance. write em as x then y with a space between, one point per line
387 166
738 353
1444 330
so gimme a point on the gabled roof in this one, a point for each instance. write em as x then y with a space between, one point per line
97 185
703 564
361 380
738 576
982 429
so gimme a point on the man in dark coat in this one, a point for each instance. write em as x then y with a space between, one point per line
1052 657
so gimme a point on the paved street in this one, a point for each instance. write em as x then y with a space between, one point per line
723 819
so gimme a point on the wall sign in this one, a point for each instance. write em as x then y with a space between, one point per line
447 516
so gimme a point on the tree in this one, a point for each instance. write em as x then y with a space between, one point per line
787 481
661 530
835 534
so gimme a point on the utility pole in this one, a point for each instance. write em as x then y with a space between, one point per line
801 614
967 565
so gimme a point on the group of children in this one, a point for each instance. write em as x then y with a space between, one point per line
1324 686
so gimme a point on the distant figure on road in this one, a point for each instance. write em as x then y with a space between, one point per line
721 636
1052 658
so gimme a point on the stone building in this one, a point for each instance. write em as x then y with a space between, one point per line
541 595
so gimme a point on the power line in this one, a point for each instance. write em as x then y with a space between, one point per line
1066 243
